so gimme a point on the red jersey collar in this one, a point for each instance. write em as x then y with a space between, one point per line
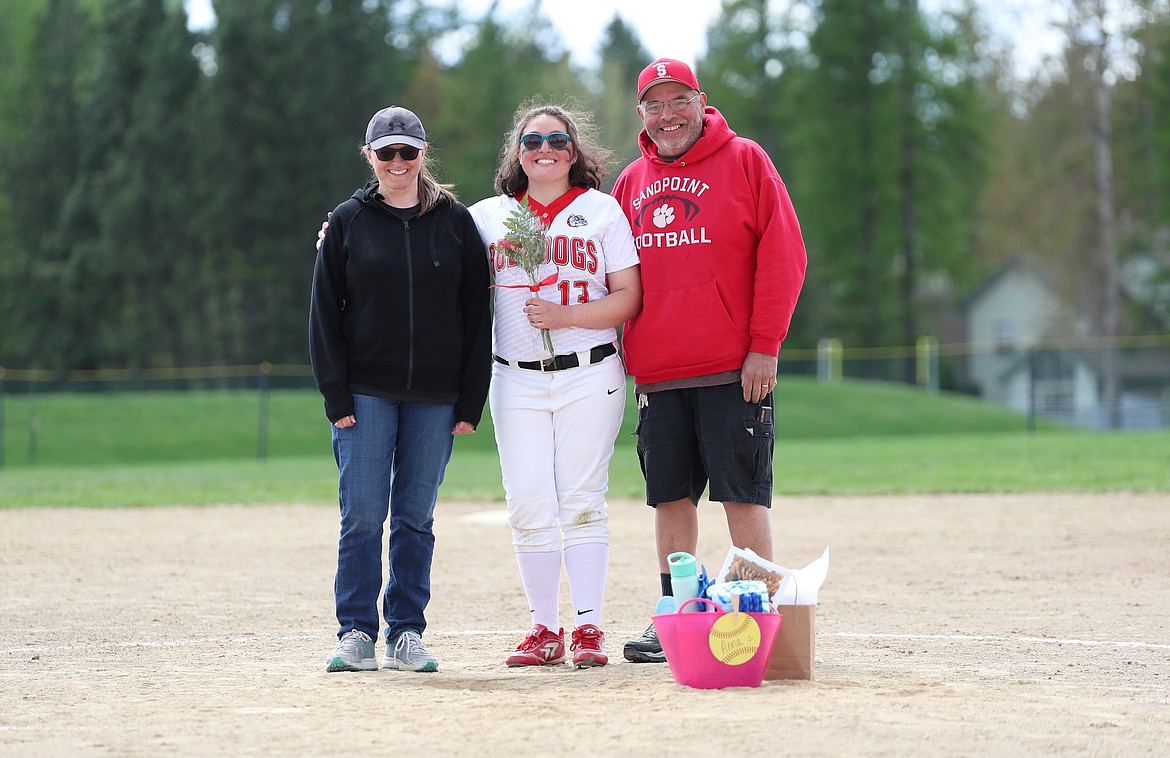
546 213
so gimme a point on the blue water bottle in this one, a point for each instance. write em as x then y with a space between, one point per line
684 580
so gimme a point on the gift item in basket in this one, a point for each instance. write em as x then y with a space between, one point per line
794 653
684 577
716 650
744 565
795 598
753 595
666 604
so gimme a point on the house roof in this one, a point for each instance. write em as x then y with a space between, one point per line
1012 265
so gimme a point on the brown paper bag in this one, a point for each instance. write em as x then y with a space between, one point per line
795 650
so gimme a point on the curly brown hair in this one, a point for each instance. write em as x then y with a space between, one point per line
592 158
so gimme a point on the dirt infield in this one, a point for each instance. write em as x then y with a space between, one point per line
956 625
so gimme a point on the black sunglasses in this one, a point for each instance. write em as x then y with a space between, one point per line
387 153
556 140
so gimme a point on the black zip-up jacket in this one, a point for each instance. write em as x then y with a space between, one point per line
400 308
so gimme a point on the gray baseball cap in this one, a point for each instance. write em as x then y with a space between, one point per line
395 126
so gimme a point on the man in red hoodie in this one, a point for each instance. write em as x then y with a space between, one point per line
722 263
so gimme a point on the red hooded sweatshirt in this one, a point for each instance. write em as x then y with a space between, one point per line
722 259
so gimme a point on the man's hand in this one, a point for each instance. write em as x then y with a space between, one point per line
324 226
758 376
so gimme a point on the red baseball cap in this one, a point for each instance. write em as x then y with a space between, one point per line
666 70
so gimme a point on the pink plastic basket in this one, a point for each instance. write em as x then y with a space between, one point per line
685 636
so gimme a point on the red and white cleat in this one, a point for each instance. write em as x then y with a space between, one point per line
542 646
588 647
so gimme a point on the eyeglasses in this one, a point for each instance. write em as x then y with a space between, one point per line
556 140
654 107
387 154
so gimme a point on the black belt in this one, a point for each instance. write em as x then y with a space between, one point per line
561 362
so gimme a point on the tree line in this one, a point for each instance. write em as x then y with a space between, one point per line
160 189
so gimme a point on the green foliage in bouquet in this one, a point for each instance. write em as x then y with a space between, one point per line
526 245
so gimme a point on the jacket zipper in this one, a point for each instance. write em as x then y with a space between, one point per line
410 308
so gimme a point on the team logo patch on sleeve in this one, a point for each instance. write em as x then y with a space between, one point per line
577 220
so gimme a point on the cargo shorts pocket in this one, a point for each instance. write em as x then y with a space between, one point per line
753 452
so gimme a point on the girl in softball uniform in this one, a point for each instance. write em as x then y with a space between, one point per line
556 416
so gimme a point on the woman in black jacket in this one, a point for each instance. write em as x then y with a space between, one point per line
400 341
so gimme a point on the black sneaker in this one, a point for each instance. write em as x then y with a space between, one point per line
646 648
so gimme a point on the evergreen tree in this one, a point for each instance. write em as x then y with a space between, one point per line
127 214
622 59
284 113
886 142
1142 137
45 76
757 55
506 64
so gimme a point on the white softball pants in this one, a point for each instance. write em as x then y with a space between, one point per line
555 433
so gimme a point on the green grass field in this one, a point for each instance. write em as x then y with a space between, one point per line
851 438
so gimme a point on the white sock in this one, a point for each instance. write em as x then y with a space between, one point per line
586 565
540 573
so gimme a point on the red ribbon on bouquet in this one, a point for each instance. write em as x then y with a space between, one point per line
534 288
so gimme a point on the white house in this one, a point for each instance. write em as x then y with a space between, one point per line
1031 352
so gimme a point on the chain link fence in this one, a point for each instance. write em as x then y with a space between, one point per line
1063 380
1060 380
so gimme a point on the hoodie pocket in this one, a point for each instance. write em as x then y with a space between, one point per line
692 318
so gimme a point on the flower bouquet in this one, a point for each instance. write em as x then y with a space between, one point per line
525 244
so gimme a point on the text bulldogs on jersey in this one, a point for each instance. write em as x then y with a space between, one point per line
562 250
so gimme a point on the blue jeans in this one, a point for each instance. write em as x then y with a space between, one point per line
392 460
